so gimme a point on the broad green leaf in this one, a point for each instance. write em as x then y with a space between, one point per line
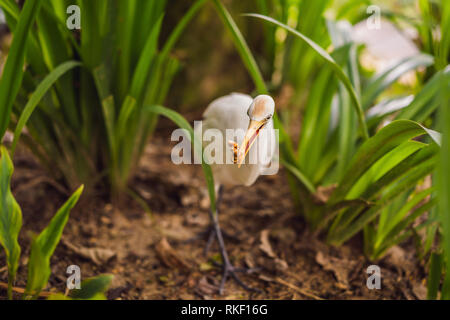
382 166
375 148
10 218
93 288
44 245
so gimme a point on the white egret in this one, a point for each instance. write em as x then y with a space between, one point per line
239 112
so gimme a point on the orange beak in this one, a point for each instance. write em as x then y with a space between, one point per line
252 133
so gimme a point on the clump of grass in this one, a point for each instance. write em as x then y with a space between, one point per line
91 126
45 243
372 175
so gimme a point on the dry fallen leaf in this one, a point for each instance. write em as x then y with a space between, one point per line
400 259
206 288
277 263
99 256
341 268
419 290
323 193
169 257
265 244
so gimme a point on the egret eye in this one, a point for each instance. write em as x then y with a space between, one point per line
269 117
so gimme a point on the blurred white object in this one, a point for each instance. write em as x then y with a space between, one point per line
385 45
2 17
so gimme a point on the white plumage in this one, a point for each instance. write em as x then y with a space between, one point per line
232 112
253 139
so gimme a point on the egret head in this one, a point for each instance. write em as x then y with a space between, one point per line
260 113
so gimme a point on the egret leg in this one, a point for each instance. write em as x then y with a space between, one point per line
228 268
212 230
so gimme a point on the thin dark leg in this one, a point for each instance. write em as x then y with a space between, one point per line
212 230
228 268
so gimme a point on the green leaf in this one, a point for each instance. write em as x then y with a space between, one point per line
444 44
182 123
434 276
242 47
382 166
443 180
44 245
382 81
375 148
299 175
316 122
386 107
330 61
179 28
427 100
10 218
93 288
129 105
399 220
110 124
253 69
143 68
58 296
37 95
12 73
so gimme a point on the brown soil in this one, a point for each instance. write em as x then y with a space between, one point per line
151 256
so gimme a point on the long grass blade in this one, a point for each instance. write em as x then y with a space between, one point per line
37 95
12 72
434 276
182 123
330 61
